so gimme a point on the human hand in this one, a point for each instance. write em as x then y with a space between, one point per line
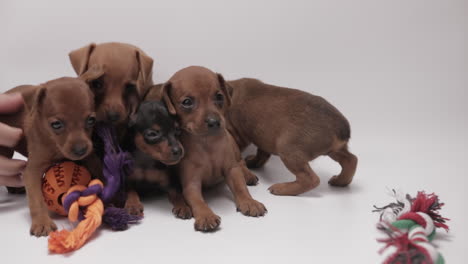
10 169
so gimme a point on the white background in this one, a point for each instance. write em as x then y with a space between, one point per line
397 69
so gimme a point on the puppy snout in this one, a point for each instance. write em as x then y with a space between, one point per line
79 149
213 122
176 151
113 116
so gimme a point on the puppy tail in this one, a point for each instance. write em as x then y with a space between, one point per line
343 130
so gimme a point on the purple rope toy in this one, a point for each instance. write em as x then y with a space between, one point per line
117 165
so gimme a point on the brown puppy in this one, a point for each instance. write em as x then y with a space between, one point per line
293 124
57 121
199 98
125 75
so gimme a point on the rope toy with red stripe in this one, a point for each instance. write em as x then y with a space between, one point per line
410 226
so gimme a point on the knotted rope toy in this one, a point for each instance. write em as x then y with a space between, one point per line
69 190
410 226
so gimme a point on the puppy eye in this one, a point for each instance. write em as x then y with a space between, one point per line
97 84
219 98
91 121
130 88
177 131
152 136
187 103
56 125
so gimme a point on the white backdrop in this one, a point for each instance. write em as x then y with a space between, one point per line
396 69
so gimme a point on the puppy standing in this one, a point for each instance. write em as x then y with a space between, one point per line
154 146
57 120
125 75
198 97
293 124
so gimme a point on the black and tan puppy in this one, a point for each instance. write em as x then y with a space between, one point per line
57 120
198 97
125 73
294 125
154 146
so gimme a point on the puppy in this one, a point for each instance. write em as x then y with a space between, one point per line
125 73
199 98
294 125
57 120
154 146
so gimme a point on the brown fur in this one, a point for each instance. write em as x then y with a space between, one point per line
211 155
68 100
125 75
294 125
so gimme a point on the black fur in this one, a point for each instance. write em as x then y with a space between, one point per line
150 113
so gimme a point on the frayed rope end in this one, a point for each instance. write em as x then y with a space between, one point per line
118 218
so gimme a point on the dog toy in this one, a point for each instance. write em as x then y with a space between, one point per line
56 183
69 190
410 226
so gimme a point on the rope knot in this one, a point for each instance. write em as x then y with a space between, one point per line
410 226
79 196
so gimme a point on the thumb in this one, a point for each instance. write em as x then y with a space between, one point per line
10 103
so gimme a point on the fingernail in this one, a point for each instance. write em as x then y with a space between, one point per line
18 134
23 164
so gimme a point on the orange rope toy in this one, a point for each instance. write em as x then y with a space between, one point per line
80 201
68 190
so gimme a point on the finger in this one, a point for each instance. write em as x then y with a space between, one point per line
10 103
9 136
11 181
11 167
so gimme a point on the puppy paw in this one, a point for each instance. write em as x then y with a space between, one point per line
182 211
293 188
207 223
253 162
339 181
42 227
281 189
134 208
251 179
251 208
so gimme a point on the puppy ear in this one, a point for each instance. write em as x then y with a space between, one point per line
39 97
93 73
79 58
132 103
224 88
165 95
132 100
145 71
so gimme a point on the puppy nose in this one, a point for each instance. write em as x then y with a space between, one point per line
213 122
113 116
176 151
79 150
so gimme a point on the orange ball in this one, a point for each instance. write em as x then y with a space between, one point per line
58 180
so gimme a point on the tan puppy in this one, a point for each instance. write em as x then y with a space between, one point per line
199 98
293 124
57 119
125 75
